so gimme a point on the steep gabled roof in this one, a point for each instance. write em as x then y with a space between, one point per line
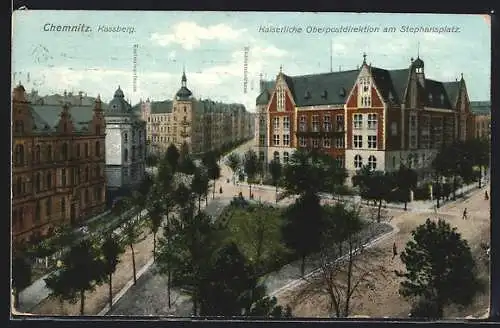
436 95
46 117
452 90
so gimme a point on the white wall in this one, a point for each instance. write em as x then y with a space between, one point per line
365 154
113 176
113 146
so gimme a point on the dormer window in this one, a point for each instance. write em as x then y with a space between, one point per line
307 95
324 94
391 97
442 99
342 92
430 97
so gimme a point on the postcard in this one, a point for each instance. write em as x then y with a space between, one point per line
271 164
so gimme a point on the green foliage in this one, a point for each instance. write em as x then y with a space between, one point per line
439 266
251 164
171 158
82 271
234 162
199 185
226 283
276 171
186 165
111 250
152 160
304 225
267 307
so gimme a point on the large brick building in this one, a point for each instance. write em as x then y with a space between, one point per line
482 118
57 165
202 124
369 116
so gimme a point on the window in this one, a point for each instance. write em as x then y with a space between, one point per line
262 156
262 141
413 141
276 156
413 122
49 153
286 157
37 212
64 151
63 207
315 142
19 127
286 140
276 123
133 153
286 123
358 161
48 206
339 122
63 177
327 142
97 148
339 142
185 109
49 180
372 142
340 161
276 140
86 149
372 121
96 171
86 196
38 182
37 154
97 193
125 137
303 123
315 123
358 121
372 162
125 155
365 92
394 161
394 129
302 142
358 141
19 154
281 99
98 130
327 123
86 174
78 153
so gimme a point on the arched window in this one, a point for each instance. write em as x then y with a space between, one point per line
49 153
276 156
97 148
125 155
63 177
38 182
286 157
358 161
37 154
64 151
372 162
125 137
49 180
19 154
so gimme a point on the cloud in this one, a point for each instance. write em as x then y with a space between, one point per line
189 35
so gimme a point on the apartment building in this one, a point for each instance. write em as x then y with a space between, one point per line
58 160
201 124
482 118
369 116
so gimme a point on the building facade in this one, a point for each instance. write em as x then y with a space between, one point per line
202 125
482 118
369 116
58 160
125 144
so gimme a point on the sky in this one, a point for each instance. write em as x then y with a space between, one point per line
146 58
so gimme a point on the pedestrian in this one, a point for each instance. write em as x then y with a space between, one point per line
464 215
394 250
486 197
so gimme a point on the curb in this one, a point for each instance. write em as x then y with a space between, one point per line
297 282
127 286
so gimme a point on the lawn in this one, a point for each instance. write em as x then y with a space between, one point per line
256 229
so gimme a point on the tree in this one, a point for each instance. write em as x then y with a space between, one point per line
233 161
342 279
186 165
334 175
276 172
213 173
21 276
227 281
406 179
172 157
152 160
251 167
155 215
439 266
199 185
132 231
376 186
303 174
304 223
188 252
267 307
82 271
111 250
